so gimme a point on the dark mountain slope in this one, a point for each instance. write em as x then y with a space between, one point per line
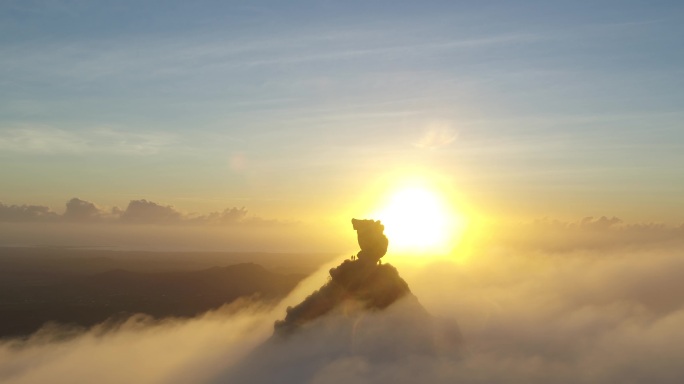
88 300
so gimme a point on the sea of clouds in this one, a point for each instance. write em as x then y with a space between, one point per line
528 313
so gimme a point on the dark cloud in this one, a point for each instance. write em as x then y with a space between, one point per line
148 212
81 210
230 215
26 213
227 216
234 216
137 212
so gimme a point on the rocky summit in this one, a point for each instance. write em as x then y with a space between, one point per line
361 279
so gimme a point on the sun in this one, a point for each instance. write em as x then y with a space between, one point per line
419 219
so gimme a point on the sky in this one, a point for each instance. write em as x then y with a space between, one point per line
312 111
267 125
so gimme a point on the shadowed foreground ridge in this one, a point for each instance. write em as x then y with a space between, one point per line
362 280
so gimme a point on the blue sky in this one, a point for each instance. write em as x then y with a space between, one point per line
529 108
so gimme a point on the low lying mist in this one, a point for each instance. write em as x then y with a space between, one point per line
527 315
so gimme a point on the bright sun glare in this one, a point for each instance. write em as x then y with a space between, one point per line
418 219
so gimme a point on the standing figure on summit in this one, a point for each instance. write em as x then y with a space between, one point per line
372 240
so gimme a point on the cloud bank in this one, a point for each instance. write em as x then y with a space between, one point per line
137 212
590 233
24 213
582 316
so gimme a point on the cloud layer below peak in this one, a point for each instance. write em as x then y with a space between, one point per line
583 317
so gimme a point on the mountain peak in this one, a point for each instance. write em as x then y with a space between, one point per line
365 312
362 279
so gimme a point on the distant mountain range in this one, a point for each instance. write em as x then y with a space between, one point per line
86 300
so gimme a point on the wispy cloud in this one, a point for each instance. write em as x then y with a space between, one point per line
435 135
37 139
87 60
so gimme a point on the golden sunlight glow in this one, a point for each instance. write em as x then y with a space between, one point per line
417 219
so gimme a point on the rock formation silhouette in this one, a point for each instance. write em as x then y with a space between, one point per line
360 280
372 240
365 312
